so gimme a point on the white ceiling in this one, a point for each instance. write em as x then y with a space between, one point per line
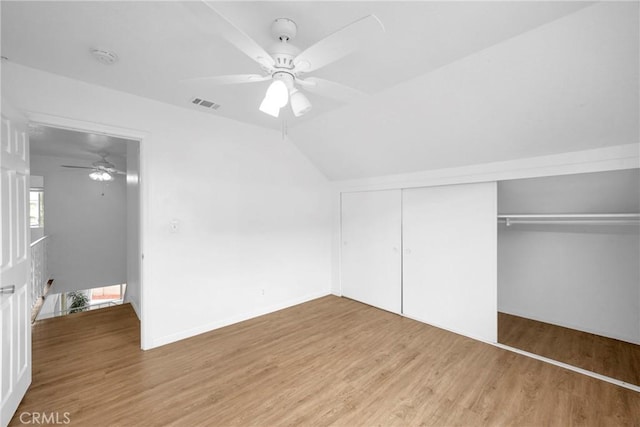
452 83
160 43
569 85
87 147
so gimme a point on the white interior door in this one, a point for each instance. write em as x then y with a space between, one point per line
450 259
15 327
371 248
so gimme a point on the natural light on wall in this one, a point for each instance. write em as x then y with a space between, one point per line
36 207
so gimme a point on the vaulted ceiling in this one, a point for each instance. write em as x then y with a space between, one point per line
450 83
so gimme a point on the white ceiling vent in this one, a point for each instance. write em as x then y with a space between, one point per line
206 104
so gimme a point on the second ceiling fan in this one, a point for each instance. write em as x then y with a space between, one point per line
102 170
285 64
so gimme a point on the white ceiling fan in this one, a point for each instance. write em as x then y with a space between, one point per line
285 64
102 170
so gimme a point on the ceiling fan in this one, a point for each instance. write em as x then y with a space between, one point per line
102 170
285 64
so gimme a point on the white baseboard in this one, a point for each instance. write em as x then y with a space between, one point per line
168 339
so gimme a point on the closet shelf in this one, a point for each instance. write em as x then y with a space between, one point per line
603 219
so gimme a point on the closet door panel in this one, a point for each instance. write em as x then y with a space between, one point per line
450 260
371 243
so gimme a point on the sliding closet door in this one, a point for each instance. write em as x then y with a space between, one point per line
371 239
450 261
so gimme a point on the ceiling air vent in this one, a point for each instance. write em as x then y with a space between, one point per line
204 103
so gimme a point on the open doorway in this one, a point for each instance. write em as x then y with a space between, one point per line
89 215
569 270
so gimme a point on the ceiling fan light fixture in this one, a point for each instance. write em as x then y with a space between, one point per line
269 107
99 175
277 96
300 104
278 93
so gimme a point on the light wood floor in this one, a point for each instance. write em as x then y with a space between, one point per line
331 361
606 356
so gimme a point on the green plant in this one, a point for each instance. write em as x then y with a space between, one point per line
79 301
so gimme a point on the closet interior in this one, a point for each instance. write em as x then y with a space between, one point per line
569 270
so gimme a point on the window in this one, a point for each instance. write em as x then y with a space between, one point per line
108 293
36 207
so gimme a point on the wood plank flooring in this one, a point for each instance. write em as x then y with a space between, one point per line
606 356
331 361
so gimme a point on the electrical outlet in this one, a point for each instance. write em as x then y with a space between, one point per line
173 226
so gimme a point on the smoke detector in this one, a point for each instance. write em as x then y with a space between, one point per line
104 56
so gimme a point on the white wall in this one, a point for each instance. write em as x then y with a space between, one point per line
36 233
253 212
132 294
86 220
582 280
585 277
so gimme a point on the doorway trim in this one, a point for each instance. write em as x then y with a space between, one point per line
115 131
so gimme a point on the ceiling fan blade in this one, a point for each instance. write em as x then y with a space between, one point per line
338 44
230 79
330 89
77 167
239 38
115 171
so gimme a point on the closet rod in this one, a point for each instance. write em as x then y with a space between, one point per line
570 216
510 222
615 219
